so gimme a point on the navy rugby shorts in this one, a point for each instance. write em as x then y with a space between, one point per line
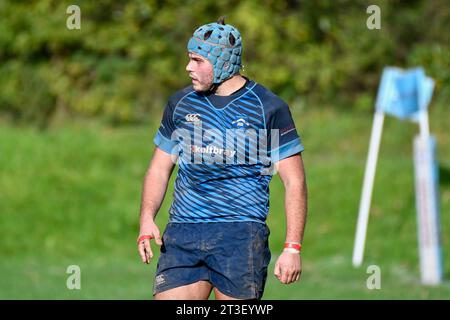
232 256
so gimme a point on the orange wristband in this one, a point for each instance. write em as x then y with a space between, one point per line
293 245
144 237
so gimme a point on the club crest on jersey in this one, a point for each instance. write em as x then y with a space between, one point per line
240 122
193 118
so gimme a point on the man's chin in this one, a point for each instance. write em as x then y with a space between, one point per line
200 88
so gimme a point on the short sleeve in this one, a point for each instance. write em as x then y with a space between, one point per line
289 142
164 138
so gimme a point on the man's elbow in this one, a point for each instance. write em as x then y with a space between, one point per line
295 183
162 174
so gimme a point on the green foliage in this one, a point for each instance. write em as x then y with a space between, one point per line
129 56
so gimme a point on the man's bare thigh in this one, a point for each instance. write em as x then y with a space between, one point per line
195 291
221 296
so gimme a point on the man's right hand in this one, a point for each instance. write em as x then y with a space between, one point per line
144 248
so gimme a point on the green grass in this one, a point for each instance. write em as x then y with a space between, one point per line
70 196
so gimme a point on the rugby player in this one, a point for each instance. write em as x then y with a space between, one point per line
229 135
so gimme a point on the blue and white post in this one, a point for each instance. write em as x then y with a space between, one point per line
427 197
406 95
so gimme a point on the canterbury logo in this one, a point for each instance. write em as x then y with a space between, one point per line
192 117
160 279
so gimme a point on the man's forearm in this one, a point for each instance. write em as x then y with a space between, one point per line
153 192
296 210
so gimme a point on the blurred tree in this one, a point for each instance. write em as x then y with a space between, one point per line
129 56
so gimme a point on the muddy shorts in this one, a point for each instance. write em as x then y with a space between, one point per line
232 256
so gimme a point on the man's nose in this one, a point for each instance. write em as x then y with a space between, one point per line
189 67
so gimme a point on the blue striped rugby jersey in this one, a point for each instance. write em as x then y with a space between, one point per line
226 147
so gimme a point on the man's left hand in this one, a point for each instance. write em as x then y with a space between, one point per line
288 267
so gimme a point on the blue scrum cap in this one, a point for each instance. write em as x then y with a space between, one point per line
221 44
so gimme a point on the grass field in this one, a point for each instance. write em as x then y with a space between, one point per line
70 196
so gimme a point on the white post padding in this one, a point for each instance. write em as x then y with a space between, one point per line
427 205
369 176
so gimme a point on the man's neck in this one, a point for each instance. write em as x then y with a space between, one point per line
230 86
